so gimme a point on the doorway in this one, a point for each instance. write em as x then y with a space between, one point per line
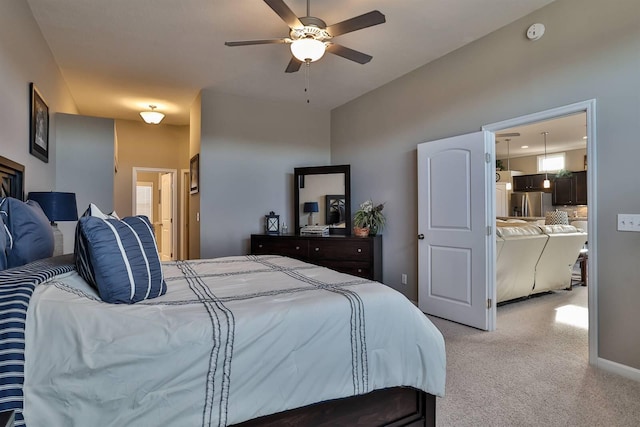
588 108
154 195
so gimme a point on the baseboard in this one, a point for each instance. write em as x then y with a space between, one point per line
620 369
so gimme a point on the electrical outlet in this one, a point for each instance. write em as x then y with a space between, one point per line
404 279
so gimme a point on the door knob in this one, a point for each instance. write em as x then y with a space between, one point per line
420 236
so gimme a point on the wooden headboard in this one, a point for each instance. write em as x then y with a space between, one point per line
11 179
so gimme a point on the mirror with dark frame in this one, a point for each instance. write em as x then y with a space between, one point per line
326 191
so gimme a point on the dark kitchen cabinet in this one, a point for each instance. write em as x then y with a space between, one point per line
571 190
533 182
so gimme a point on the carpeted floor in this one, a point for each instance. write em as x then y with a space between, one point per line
532 371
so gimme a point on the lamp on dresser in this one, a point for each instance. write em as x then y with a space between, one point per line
57 206
310 208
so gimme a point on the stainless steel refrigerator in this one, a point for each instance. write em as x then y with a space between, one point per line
530 203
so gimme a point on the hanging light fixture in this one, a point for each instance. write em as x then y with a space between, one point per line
508 186
546 183
152 117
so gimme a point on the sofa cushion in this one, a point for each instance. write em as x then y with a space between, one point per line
518 231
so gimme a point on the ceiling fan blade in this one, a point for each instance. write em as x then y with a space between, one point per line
250 42
359 22
285 13
345 52
294 65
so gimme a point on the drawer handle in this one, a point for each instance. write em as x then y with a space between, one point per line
359 250
260 246
297 248
317 249
359 270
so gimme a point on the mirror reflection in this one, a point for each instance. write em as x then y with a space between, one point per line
322 198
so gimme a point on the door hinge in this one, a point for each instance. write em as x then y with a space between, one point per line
488 230
489 303
487 157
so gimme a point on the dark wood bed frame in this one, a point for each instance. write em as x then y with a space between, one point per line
391 407
11 179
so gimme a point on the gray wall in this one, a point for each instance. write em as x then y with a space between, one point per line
591 49
25 57
248 151
85 165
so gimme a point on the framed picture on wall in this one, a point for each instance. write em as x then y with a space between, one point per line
194 174
39 131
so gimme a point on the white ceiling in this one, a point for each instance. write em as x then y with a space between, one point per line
119 56
565 133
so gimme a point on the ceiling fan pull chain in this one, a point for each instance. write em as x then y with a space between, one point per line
307 90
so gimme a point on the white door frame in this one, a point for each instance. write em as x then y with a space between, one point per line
184 213
174 201
588 106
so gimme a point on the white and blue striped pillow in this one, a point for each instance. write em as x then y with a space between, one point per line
119 257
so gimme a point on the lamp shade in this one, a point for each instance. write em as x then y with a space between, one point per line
310 207
308 49
57 206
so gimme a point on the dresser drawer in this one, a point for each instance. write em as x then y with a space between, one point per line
360 269
352 250
287 247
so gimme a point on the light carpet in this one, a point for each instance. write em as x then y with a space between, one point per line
532 371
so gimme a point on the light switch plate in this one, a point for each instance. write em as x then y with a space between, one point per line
629 222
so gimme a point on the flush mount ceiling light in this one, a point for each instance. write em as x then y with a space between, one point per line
152 117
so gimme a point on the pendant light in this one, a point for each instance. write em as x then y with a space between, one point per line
508 186
546 183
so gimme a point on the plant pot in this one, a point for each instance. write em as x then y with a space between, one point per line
361 231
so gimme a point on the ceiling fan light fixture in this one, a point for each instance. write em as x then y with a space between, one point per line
152 117
308 49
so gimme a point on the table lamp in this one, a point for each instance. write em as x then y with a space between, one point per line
310 207
57 206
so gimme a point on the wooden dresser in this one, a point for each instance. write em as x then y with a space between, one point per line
360 256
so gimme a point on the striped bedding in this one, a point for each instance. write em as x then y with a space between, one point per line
16 288
233 339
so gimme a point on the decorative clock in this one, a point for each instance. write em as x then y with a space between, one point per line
272 223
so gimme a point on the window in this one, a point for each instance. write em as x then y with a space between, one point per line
144 199
553 162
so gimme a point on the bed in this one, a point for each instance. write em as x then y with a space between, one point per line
247 340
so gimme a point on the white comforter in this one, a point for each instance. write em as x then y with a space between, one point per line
233 339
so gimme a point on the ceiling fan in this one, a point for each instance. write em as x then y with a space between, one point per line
310 37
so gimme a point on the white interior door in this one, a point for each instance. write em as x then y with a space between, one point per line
166 213
456 215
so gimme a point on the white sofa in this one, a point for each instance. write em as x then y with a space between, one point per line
555 265
533 258
516 263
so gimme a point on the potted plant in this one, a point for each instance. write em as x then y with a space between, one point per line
369 219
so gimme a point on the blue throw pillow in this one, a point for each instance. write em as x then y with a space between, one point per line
30 236
119 257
